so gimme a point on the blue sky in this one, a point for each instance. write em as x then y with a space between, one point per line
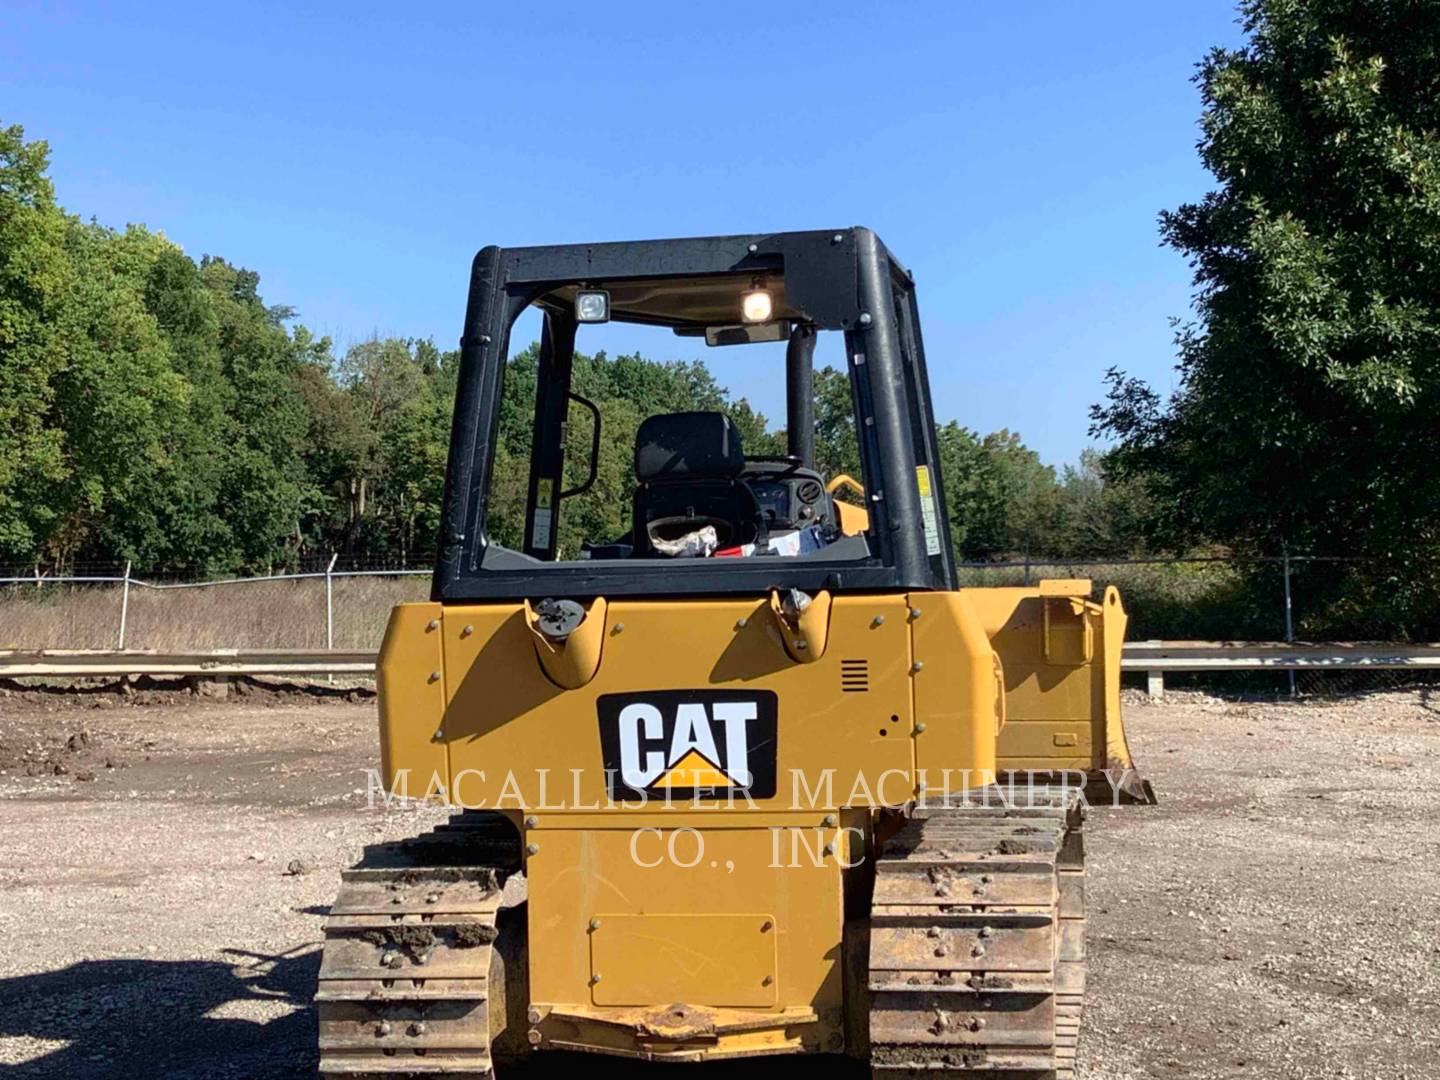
1013 155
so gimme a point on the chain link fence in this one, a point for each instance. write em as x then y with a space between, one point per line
342 602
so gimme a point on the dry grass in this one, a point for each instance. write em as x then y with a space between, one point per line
1205 600
252 614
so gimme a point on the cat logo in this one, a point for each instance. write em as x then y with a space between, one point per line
683 743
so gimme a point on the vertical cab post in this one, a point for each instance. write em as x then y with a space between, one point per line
547 446
800 395
883 416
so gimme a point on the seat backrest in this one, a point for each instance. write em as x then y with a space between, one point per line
687 466
687 445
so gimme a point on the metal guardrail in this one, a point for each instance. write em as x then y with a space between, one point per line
1157 657
1152 657
1259 655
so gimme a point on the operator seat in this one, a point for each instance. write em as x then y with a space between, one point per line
688 470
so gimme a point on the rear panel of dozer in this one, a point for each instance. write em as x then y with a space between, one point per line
690 932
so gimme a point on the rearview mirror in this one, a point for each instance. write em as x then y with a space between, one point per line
747 334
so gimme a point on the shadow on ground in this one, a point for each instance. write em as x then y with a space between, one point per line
181 1019
250 1020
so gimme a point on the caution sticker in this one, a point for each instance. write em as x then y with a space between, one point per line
540 528
541 520
929 515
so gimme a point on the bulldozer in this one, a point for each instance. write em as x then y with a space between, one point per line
757 777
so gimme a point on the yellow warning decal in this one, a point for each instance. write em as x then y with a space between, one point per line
928 514
693 771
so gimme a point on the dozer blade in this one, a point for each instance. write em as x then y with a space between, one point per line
1060 652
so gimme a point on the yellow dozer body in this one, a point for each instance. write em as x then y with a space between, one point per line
783 796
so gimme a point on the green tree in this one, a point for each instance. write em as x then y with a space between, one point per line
183 517
1002 497
35 279
1305 419
119 400
1310 380
416 447
962 463
265 487
379 426
836 450
1098 514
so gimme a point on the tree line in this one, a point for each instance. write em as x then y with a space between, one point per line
155 408
162 412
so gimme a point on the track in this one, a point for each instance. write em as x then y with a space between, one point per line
411 980
977 942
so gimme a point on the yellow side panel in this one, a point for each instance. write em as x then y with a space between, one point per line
411 685
518 740
956 693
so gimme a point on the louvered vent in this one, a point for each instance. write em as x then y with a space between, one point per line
854 676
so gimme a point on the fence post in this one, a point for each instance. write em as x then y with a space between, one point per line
330 608
124 604
330 603
1289 620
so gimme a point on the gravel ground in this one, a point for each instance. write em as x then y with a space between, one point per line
1278 914
165 862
